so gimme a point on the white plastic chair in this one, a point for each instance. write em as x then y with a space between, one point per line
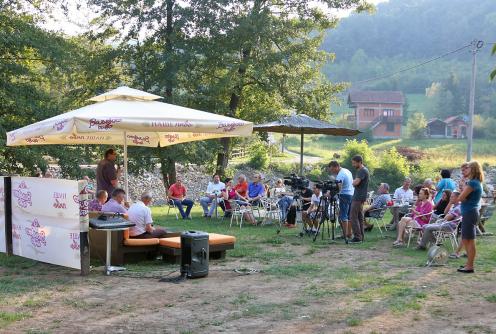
441 236
411 230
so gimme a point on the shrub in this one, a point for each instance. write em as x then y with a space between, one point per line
315 174
417 125
422 171
392 169
259 156
355 147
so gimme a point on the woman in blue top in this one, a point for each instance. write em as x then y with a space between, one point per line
470 198
446 183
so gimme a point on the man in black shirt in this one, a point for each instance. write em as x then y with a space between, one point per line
361 184
106 174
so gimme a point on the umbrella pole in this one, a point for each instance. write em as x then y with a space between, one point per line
301 154
126 179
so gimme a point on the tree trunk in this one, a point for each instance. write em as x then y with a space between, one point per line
167 161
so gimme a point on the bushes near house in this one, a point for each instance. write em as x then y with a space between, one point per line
354 147
392 169
416 126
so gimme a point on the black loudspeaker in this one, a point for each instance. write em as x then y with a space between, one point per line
194 254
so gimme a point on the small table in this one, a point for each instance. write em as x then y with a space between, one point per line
108 267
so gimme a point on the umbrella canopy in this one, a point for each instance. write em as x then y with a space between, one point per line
133 115
302 124
126 116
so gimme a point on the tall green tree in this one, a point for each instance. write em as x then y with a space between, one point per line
263 50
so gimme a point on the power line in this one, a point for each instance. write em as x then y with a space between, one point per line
413 66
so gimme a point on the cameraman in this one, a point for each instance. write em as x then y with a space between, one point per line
361 184
310 216
346 190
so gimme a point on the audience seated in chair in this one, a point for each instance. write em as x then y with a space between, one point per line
97 203
241 188
256 190
284 201
230 194
380 201
420 216
140 214
448 223
177 194
310 216
212 196
117 202
440 207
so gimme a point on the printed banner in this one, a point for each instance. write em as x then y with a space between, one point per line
3 245
46 220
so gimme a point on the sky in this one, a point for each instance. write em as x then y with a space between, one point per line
79 18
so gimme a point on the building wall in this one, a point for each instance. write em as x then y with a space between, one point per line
368 112
381 131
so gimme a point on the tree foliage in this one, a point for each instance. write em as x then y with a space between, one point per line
417 126
354 147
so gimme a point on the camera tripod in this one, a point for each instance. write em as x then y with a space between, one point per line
328 207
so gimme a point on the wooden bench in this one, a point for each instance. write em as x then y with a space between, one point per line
122 248
170 248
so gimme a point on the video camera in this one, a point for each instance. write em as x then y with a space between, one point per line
296 182
330 186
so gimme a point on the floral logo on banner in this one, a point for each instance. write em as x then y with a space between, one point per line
59 200
16 231
104 124
138 140
23 195
171 138
12 136
37 237
229 126
38 139
75 240
59 126
83 204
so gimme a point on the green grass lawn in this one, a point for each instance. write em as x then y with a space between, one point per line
352 282
448 153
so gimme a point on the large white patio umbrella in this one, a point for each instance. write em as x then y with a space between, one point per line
126 116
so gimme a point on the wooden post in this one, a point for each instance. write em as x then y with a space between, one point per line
84 245
7 182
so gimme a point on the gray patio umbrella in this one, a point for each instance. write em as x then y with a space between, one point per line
303 124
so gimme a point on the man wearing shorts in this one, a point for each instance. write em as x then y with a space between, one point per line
346 190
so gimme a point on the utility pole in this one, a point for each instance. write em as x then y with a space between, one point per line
476 45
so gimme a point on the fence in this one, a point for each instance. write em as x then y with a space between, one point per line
238 152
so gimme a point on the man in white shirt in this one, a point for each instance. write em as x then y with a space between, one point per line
213 193
404 193
311 217
346 191
140 214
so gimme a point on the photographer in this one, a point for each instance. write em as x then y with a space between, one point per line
346 190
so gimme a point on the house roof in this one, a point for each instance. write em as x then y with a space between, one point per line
433 120
454 118
376 96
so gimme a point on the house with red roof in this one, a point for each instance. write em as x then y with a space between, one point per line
378 111
451 127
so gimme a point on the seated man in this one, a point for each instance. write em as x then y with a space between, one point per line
256 190
97 203
140 214
213 194
404 193
284 201
379 202
449 224
116 203
310 216
177 194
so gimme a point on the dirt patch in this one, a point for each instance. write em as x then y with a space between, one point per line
336 289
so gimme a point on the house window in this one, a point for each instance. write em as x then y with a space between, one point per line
390 127
368 112
388 112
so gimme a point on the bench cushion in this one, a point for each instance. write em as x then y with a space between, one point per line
213 239
141 242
